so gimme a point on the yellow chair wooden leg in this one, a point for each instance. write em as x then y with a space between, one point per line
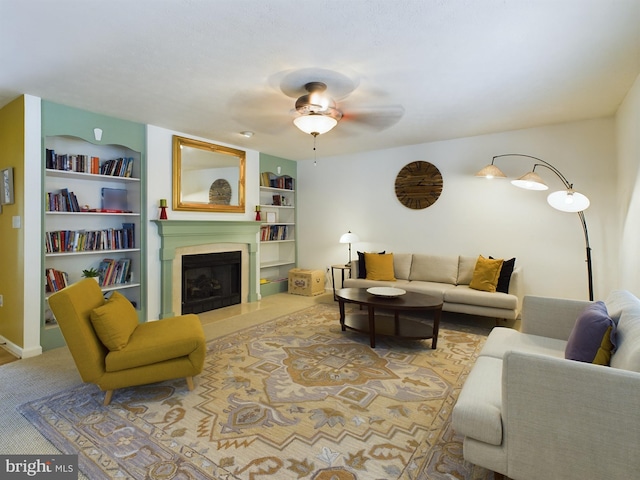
107 397
190 384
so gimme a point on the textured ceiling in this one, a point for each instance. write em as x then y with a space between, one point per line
214 68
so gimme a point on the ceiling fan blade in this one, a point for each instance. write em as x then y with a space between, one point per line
373 118
262 111
292 82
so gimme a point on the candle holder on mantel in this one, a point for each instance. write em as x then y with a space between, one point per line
258 217
163 209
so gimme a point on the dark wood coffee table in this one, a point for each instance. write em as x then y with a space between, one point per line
376 322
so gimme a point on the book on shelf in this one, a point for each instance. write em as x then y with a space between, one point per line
55 280
60 241
270 233
62 201
269 179
119 167
114 272
129 235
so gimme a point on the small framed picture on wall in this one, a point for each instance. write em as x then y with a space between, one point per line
6 186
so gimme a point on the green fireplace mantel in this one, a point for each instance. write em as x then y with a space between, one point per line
176 234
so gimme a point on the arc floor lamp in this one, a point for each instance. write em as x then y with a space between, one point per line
567 200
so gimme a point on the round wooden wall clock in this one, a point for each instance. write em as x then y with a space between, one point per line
418 185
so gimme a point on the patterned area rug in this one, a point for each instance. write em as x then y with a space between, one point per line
293 398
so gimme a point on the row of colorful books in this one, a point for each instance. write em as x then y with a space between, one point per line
269 179
114 200
119 167
113 272
63 201
269 233
90 240
55 280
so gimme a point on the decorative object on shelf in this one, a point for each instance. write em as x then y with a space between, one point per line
196 164
91 273
163 209
6 186
418 185
258 217
114 200
567 200
349 238
271 217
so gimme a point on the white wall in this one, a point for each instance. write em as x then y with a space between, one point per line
160 185
628 143
473 216
32 224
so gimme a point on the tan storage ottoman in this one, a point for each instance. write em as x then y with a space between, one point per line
306 282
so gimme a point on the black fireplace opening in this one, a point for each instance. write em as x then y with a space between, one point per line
210 281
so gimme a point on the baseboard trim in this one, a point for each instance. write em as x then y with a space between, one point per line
19 351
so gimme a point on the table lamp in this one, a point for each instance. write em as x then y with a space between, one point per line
349 238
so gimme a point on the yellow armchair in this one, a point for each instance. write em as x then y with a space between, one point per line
112 350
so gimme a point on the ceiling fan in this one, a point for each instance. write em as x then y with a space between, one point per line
324 98
316 111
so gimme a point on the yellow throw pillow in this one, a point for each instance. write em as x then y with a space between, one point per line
486 274
379 266
603 356
115 321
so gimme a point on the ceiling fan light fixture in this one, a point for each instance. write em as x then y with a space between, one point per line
315 103
316 112
315 123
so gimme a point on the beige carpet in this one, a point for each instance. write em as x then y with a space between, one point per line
287 399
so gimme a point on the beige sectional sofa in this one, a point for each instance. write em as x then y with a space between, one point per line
448 277
528 413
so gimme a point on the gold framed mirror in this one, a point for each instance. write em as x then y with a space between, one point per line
207 177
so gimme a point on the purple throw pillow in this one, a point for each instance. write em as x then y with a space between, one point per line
587 334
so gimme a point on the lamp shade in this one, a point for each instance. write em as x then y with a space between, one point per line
349 238
491 171
315 123
568 201
530 181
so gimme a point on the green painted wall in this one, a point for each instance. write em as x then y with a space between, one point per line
269 163
12 140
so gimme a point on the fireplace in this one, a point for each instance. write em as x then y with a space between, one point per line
211 281
180 238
